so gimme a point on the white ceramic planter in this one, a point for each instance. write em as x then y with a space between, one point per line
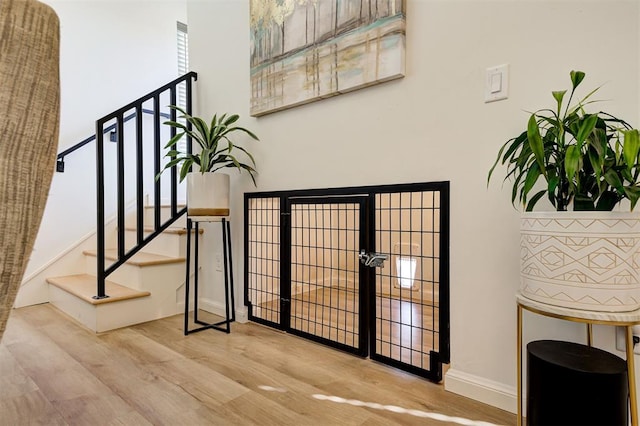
207 194
581 260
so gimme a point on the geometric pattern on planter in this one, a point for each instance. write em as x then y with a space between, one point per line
584 262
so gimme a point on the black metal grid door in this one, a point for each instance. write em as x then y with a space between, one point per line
262 259
303 273
326 301
407 324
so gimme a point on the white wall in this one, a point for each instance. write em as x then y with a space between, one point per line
112 52
433 125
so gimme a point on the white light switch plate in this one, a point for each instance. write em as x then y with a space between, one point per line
218 258
496 85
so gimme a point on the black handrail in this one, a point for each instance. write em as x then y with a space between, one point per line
109 129
159 224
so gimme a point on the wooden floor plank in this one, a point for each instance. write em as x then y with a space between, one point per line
13 380
31 408
53 371
94 408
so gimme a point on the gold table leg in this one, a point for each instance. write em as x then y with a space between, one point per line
631 376
519 362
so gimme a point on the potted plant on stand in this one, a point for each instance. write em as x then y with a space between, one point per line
584 255
208 191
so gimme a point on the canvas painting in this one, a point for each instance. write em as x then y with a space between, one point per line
306 50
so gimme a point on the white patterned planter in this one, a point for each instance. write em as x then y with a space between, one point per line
581 260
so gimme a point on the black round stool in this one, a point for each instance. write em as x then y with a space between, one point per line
573 384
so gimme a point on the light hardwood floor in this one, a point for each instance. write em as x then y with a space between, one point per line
54 372
405 329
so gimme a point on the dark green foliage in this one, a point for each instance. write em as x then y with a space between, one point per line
588 159
216 149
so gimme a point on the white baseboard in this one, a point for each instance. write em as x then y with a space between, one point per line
218 308
481 389
242 315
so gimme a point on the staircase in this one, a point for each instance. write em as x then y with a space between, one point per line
146 287
136 272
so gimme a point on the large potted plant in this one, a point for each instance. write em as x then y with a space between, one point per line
207 187
584 255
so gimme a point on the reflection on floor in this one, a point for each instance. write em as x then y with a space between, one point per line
329 313
404 330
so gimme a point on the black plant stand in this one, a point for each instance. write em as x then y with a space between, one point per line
230 311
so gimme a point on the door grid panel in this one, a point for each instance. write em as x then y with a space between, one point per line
262 259
406 323
325 282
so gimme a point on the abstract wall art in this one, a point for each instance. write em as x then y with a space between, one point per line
306 50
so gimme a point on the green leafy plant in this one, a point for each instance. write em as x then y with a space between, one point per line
588 159
217 151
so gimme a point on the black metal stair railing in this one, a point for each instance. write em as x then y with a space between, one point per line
113 135
107 125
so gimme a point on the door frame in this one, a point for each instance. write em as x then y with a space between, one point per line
434 372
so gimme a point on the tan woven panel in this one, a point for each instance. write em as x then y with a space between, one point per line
30 99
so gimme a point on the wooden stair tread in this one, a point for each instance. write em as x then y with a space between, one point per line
166 206
140 258
83 286
149 229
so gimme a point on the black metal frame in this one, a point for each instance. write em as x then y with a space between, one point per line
230 310
286 197
159 226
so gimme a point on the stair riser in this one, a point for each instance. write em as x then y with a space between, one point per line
141 277
165 244
149 222
76 308
149 219
109 316
165 213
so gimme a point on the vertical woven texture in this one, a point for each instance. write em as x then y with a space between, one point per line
30 99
